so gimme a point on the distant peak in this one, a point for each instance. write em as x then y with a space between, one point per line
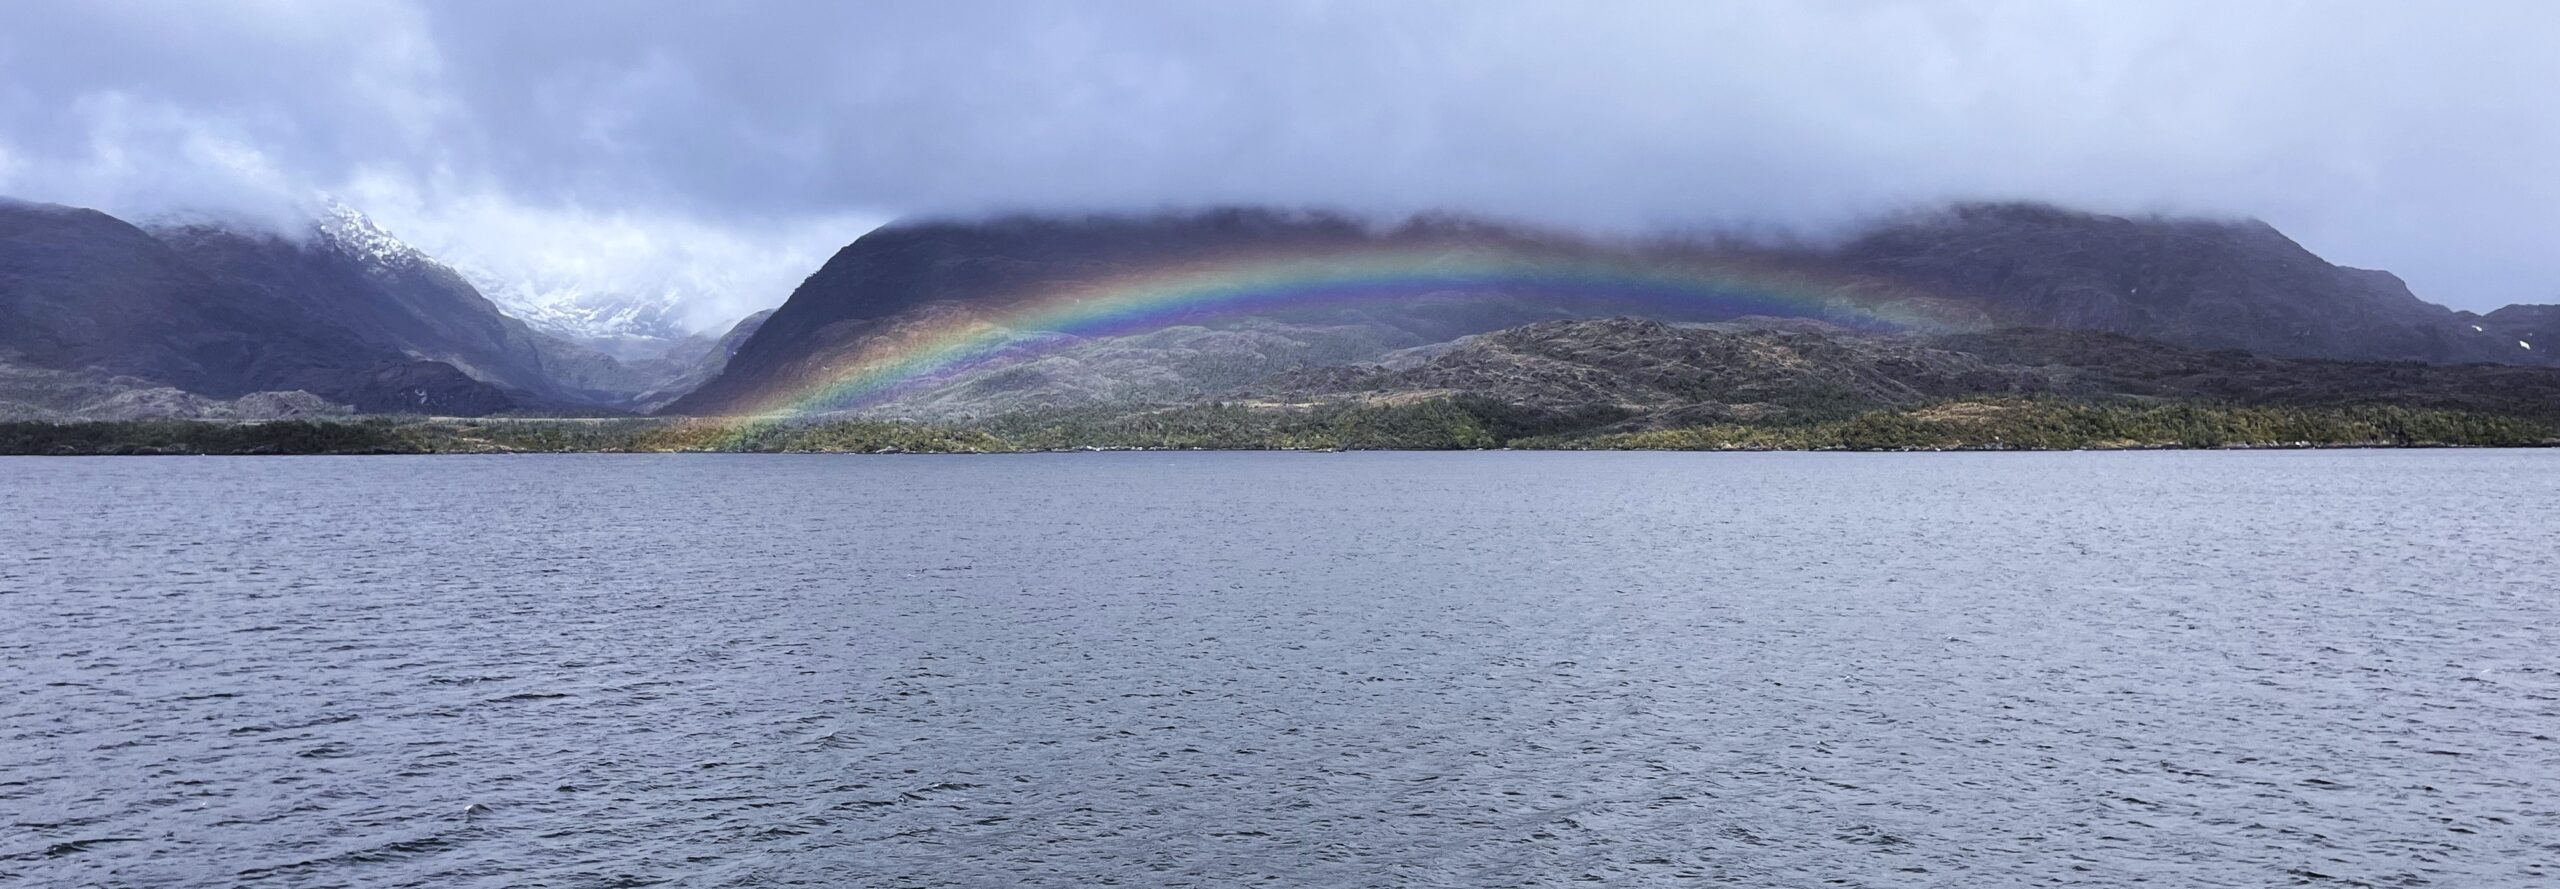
349 230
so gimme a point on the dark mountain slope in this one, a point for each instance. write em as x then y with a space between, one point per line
2120 365
2203 283
2530 328
905 266
394 300
81 290
350 273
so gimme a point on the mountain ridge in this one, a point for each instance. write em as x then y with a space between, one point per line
342 309
81 290
351 314
2201 283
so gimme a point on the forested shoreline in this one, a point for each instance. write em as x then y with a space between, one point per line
1434 424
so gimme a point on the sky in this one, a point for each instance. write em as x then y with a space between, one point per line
730 147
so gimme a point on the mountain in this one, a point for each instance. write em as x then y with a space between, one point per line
624 325
1044 313
1608 383
2532 328
398 295
2200 283
707 363
903 267
350 275
84 291
343 310
2210 284
866 292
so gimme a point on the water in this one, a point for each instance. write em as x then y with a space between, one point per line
2205 669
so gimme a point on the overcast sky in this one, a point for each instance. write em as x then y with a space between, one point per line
631 141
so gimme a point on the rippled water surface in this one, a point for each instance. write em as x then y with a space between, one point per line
2200 669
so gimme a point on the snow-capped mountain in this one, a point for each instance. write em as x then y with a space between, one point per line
561 308
350 232
326 307
569 309
622 282
591 346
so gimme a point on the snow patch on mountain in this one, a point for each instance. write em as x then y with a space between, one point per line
571 309
351 232
624 323
602 275
635 286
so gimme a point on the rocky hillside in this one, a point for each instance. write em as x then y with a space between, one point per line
32 393
1646 366
978 268
1601 383
1655 374
2532 328
2204 284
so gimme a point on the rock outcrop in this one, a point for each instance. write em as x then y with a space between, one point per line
1668 375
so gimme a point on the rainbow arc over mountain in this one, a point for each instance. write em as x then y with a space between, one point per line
932 351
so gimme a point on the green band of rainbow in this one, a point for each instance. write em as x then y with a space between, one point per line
1201 291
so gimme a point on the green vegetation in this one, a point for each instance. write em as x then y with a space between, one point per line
1427 424
2018 424
368 436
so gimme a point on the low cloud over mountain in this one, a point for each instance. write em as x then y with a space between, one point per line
711 148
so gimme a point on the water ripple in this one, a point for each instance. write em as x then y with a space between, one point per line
1341 670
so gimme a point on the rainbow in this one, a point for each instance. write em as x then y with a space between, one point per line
930 351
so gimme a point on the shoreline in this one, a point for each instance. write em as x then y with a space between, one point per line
1986 449
1967 425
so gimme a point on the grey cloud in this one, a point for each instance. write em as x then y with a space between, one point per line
2382 134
